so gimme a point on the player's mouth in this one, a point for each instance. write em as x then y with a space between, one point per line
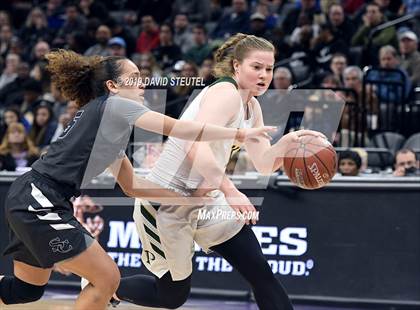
261 84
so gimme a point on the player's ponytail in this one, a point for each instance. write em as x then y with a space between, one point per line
82 78
237 47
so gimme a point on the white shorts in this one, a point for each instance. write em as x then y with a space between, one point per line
168 233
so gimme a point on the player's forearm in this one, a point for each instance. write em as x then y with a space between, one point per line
196 131
204 162
271 159
142 188
137 187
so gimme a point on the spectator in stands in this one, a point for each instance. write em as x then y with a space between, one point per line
183 36
32 95
78 42
337 66
352 6
39 51
282 78
147 61
65 118
93 9
349 163
301 52
325 46
341 26
307 7
117 47
167 53
4 18
102 36
410 61
59 101
12 93
409 7
271 18
11 115
17 150
304 22
206 71
130 19
10 71
201 49
119 29
384 6
6 35
189 69
149 37
84 204
75 22
258 26
44 125
355 124
35 29
55 11
406 163
330 81
388 59
233 21
372 18
40 73
198 11
16 46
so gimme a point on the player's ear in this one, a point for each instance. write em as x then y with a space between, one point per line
235 65
112 86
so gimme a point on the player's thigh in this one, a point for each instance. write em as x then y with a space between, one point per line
31 274
95 265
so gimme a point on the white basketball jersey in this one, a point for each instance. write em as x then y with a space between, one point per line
173 170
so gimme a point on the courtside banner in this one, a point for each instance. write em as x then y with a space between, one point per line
355 240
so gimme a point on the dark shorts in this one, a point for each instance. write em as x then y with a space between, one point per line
42 228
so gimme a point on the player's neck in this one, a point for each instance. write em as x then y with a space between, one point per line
244 93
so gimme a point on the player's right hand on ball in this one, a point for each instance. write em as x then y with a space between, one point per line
244 208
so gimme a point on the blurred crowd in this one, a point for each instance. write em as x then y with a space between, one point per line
320 43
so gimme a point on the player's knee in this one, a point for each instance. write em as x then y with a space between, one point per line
16 291
110 280
176 300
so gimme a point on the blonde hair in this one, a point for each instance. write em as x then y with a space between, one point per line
237 48
27 144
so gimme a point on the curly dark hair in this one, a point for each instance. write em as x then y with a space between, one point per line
82 78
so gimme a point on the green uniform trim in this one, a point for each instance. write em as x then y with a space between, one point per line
225 79
148 216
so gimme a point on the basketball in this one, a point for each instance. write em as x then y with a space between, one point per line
310 163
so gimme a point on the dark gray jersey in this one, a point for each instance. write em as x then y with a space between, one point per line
97 136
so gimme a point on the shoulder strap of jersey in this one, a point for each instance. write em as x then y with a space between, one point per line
225 79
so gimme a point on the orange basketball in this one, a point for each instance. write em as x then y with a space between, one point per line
310 163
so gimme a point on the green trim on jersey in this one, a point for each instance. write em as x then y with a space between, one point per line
225 79
157 250
151 233
148 216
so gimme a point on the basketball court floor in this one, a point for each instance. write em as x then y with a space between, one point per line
54 300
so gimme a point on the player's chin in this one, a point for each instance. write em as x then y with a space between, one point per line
259 91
